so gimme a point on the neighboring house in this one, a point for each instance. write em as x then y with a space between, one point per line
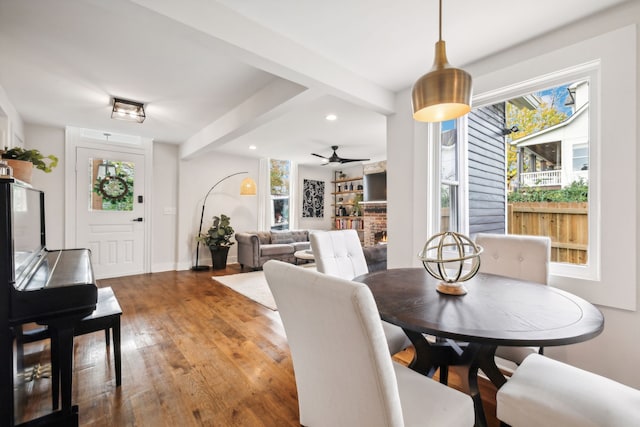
557 156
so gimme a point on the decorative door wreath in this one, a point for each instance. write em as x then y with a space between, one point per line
113 188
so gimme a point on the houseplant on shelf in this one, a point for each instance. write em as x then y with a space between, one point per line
23 161
218 239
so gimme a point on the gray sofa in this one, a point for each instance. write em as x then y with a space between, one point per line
257 247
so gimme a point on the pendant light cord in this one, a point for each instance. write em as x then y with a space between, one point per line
440 23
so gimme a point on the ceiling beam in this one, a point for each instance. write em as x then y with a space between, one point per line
267 50
270 102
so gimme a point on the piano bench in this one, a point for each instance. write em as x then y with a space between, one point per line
105 317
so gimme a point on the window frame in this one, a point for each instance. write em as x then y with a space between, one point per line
460 184
273 197
613 148
590 71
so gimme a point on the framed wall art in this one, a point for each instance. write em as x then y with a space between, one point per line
312 199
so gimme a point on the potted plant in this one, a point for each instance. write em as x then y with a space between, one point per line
357 207
22 162
218 239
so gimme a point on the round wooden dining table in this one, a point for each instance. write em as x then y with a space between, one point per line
496 311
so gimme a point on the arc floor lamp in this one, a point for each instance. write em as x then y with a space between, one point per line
247 188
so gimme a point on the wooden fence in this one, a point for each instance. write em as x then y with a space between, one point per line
566 223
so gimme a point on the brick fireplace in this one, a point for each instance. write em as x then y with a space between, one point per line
375 222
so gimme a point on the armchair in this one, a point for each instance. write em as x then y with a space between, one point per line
344 374
339 253
546 392
520 257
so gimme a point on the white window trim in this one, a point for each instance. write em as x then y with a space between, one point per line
265 207
613 74
590 71
462 181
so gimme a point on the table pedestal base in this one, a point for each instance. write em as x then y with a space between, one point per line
431 356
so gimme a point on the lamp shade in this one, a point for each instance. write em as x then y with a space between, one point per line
248 187
444 93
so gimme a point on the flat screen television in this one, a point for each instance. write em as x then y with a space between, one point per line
375 187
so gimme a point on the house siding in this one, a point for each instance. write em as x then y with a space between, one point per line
487 180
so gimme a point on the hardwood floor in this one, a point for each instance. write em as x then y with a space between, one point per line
194 353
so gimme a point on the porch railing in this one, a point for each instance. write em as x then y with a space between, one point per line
541 179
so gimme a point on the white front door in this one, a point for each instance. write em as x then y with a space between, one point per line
110 210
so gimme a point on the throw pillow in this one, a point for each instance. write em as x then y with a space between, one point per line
281 237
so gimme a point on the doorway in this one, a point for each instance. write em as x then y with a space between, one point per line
110 208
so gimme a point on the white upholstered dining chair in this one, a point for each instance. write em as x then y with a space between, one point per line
339 253
344 375
546 392
520 257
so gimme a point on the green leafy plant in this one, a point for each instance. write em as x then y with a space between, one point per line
578 191
357 207
219 234
122 182
39 160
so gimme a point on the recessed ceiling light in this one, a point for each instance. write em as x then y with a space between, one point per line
252 147
331 117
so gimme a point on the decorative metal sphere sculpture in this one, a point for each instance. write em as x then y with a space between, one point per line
444 256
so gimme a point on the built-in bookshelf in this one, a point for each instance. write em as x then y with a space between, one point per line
347 195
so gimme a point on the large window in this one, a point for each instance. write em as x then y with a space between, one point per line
280 191
543 178
608 275
549 184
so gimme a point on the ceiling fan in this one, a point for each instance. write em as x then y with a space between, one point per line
337 159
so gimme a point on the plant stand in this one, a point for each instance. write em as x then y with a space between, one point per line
219 257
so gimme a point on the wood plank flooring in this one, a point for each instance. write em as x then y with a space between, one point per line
194 353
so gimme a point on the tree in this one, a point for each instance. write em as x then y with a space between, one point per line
279 175
548 113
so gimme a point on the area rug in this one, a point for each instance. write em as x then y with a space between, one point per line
253 285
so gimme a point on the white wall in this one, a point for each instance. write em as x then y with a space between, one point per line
178 189
164 208
11 124
50 140
316 173
196 177
407 185
613 353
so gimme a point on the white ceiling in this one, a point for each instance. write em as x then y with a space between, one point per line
223 75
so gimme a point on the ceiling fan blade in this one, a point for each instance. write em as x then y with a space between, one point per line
353 160
337 159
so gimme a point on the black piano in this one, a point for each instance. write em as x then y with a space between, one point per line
52 288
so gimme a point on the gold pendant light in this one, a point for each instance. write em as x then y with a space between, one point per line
444 93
